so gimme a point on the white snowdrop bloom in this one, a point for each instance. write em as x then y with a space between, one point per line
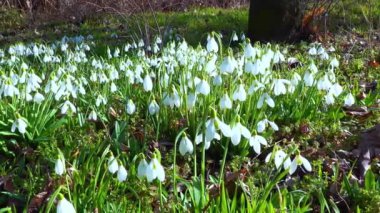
249 67
308 78
130 108
203 87
336 89
216 124
349 100
225 102
113 166
240 94
113 87
249 51
267 99
278 57
148 83
64 206
217 80
141 43
199 139
261 125
122 173
100 100
116 53
191 100
10 90
173 99
255 86
279 86
312 51
94 77
185 146
153 108
155 170
67 105
334 63
280 158
329 98
228 65
93 116
313 68
210 66
59 167
256 141
114 74
212 46
20 124
324 83
237 131
141 168
298 161
324 56
235 37
38 98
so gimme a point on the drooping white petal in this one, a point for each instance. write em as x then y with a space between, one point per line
141 169
112 165
349 100
64 206
148 83
235 135
59 167
122 173
293 166
306 164
185 146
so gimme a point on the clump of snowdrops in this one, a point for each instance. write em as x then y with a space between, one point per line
229 98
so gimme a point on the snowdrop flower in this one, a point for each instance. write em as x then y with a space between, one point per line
214 124
141 168
20 124
59 167
312 51
67 105
217 80
256 141
131 108
153 107
278 57
329 98
113 87
334 63
349 100
261 125
203 87
249 51
225 102
64 206
155 170
228 65
212 46
185 146
279 86
268 100
308 78
280 158
122 173
237 131
240 94
235 37
100 100
199 139
112 164
92 116
38 98
336 89
148 84
298 161
191 100
172 99
324 83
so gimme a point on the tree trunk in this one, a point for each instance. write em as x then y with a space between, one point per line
273 20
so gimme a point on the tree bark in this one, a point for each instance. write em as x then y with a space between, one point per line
273 20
